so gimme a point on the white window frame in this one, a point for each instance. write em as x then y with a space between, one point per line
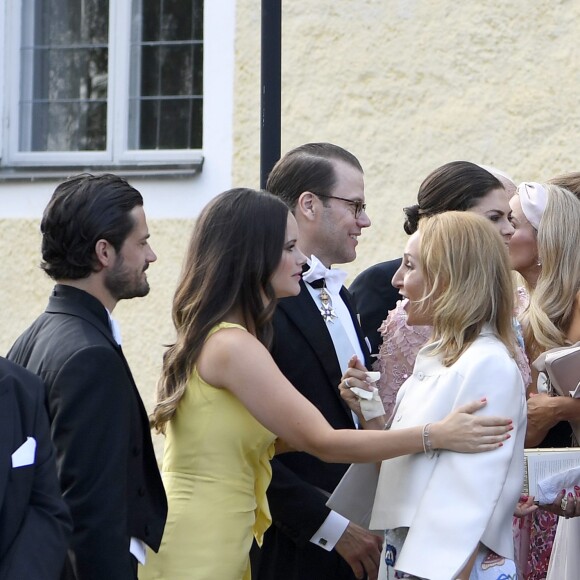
3 29
216 12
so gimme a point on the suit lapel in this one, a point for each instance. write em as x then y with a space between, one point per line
64 305
304 313
347 298
86 307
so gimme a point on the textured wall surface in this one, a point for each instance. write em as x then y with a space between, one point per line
408 85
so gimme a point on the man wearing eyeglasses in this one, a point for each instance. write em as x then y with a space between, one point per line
315 335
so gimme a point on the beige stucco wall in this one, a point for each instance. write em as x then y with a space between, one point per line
408 85
405 85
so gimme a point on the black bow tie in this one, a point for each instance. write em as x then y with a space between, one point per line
317 283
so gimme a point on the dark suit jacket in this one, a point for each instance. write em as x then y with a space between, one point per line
34 520
375 296
106 464
305 354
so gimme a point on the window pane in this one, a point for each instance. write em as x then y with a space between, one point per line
168 20
166 87
64 57
67 126
59 22
171 123
172 70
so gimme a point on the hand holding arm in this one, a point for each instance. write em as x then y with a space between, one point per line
467 433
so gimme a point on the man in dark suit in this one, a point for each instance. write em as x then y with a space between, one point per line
374 296
315 334
95 246
34 519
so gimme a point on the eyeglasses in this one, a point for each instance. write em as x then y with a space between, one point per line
358 205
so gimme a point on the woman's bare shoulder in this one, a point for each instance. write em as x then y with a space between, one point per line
227 351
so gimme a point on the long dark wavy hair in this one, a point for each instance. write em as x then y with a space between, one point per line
234 250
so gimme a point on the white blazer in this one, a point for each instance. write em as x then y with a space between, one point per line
452 501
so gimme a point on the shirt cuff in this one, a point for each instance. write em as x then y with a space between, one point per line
330 531
137 548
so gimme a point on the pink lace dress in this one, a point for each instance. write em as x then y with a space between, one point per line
397 353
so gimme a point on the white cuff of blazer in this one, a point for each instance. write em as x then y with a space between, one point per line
330 531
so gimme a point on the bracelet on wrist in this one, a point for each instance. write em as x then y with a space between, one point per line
427 444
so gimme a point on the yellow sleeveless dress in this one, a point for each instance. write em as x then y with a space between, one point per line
216 468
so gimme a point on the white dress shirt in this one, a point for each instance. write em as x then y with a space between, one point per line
345 340
136 546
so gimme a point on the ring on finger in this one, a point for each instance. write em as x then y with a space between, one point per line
346 383
564 503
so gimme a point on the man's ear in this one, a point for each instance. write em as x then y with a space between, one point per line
105 253
306 206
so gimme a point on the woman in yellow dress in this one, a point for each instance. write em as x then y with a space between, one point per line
222 401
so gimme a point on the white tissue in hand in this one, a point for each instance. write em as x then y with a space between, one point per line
362 393
373 376
371 405
550 487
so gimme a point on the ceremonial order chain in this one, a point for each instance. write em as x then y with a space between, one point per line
327 311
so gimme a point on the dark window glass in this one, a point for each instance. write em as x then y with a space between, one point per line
166 96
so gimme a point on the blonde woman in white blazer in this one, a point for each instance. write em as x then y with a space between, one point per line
445 513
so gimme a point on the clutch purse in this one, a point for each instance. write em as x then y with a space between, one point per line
560 368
